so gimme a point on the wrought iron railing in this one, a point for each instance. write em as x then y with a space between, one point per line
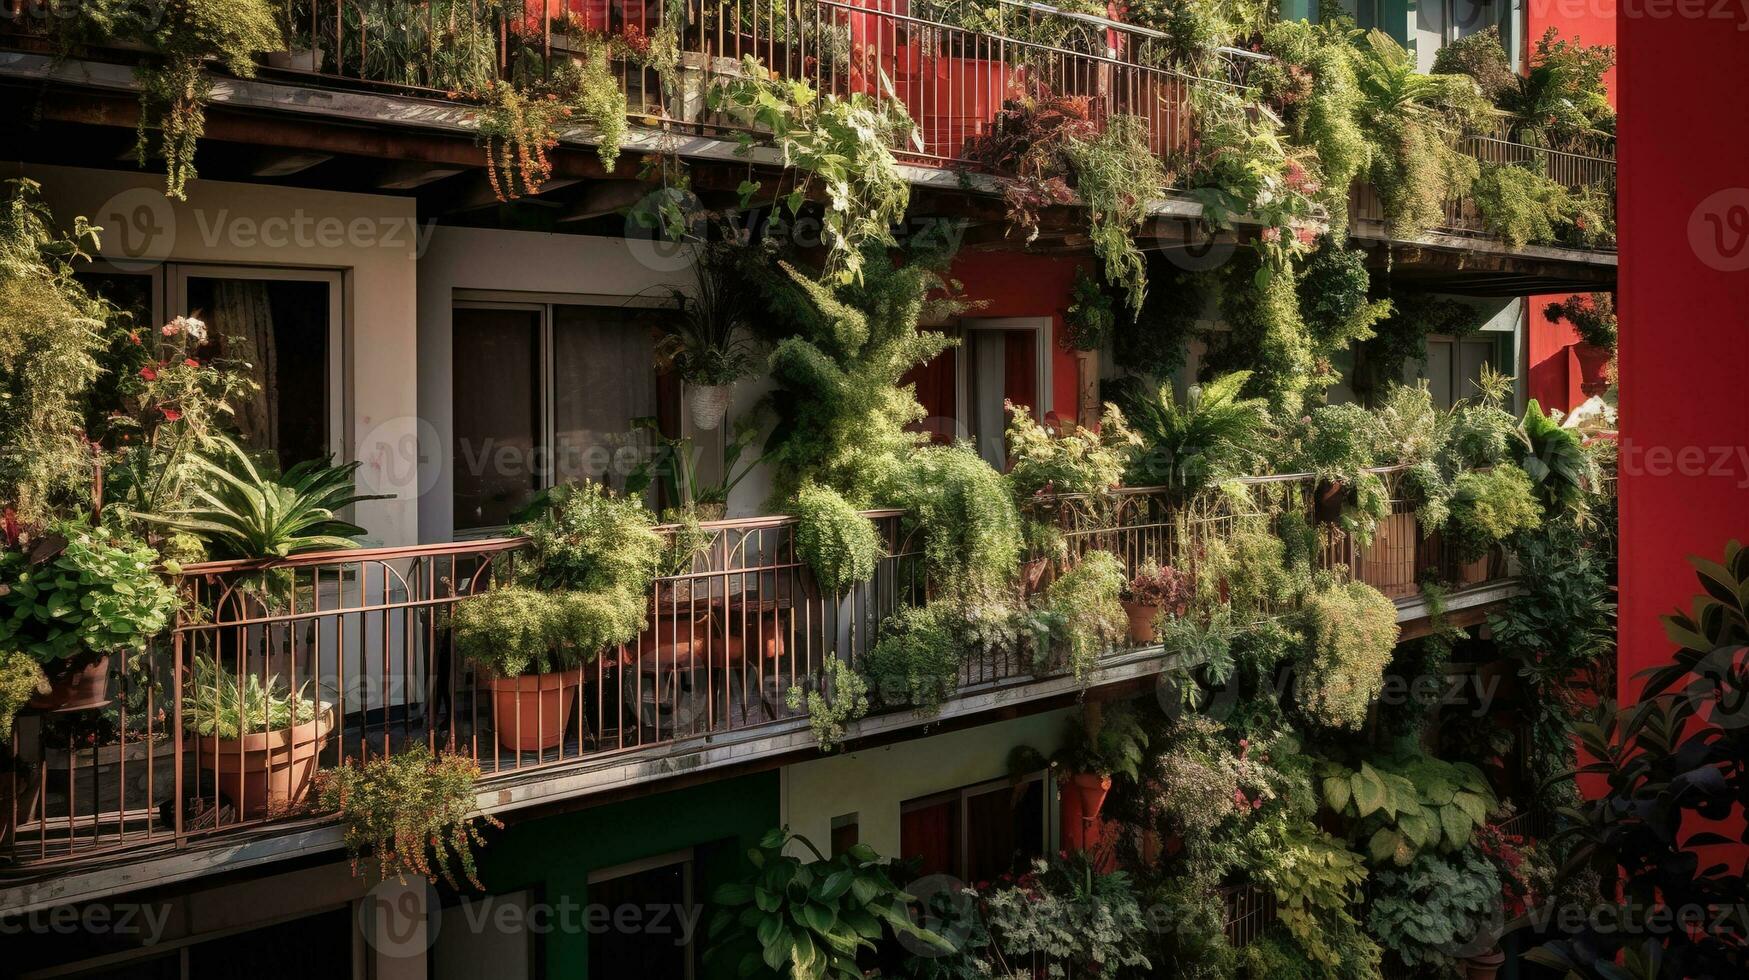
364 636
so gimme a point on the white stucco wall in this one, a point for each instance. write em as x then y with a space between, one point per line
372 240
872 783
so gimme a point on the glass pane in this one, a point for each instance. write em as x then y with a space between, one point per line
1005 830
282 328
658 948
313 946
466 951
496 427
604 375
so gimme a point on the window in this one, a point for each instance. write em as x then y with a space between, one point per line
470 943
965 392
319 945
1453 367
643 932
978 833
546 393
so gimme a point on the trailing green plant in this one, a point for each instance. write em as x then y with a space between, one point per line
710 342
842 351
838 544
173 84
810 919
1067 458
1333 301
971 528
1265 334
1215 435
519 130
1089 322
240 513
1592 316
1435 907
413 810
1313 82
51 335
1336 443
1316 880
842 698
1117 176
916 661
1401 337
1351 629
1081 616
1412 123
1203 644
79 588
1403 803
1151 346
21 678
843 144
1413 433
1069 915
1489 507
1242 167
1253 567
1564 474
218 704
1520 204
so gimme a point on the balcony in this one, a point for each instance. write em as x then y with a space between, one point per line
409 65
365 635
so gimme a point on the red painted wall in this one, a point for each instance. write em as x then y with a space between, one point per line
1018 284
1684 308
1550 381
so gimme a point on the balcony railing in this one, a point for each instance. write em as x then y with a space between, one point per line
950 80
365 635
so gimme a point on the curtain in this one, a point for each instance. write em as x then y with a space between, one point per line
242 310
603 377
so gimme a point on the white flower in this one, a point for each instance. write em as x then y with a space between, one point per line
195 329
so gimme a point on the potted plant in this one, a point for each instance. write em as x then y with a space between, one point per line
584 588
1487 507
74 598
413 809
1099 743
260 743
1593 318
709 342
1153 590
673 465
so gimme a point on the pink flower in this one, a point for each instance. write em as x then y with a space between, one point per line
172 328
1272 234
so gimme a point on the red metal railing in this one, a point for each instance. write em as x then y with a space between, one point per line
363 637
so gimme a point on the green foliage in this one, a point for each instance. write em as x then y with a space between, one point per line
50 339
173 85
1082 615
1482 57
217 704
971 528
1107 740
1404 803
1333 299
1322 113
1117 177
1153 343
843 144
917 659
1561 100
1520 204
1266 335
1435 906
101 592
21 678
1243 167
413 809
1412 432
240 513
1401 337
809 920
1591 314
841 410
1337 443
841 699
1316 880
838 544
1412 123
1089 320
1069 915
1069 459
1489 507
1351 629
709 343
1255 567
1215 436
592 539
1557 463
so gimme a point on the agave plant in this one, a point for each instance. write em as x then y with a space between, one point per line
241 514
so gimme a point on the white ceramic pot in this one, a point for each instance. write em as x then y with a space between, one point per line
709 403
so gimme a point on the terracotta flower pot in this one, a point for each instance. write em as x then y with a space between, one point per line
1593 368
1484 967
80 682
1142 616
530 711
1475 572
265 773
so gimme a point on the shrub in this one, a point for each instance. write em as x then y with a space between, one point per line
842 698
1082 615
1351 629
1069 914
512 630
1067 459
838 544
101 593
1591 314
1089 321
1488 507
412 809
215 704
1403 803
1519 204
916 661
1160 585
1214 436
971 528
21 678
1436 906
592 539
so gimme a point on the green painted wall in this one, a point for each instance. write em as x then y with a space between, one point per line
555 855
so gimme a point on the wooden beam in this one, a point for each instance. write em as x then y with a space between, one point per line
410 174
284 163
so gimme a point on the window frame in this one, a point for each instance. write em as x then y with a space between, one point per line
687 858
962 797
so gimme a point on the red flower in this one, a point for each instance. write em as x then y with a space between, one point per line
190 362
172 415
149 373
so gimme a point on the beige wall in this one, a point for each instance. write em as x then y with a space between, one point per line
371 240
872 784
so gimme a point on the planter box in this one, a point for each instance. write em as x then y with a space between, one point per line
1388 562
107 780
